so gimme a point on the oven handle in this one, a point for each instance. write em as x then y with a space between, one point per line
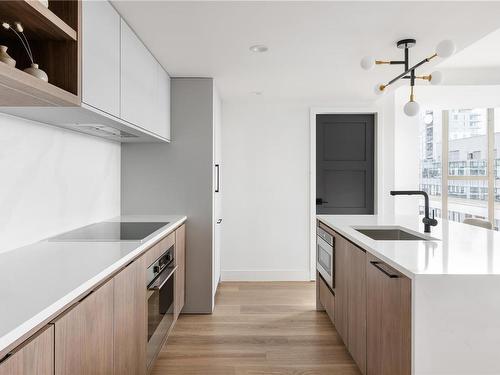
162 278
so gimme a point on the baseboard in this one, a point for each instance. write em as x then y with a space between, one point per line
265 275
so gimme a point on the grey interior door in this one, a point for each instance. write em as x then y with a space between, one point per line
345 164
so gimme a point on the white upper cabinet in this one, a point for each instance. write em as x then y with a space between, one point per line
101 57
161 125
139 74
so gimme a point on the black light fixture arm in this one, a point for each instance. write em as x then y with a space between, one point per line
412 69
444 49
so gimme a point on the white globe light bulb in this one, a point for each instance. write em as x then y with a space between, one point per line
436 78
411 108
367 62
379 89
445 48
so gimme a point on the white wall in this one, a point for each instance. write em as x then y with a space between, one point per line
53 180
266 190
266 154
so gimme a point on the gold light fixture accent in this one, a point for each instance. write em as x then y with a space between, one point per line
444 49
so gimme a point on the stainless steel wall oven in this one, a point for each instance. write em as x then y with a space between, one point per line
160 303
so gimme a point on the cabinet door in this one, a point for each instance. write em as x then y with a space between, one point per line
357 306
388 320
139 73
341 287
101 56
326 298
161 125
180 273
84 336
130 319
36 357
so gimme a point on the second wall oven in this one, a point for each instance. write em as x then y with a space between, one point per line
160 303
325 256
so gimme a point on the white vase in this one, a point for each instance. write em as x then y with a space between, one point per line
5 58
36 72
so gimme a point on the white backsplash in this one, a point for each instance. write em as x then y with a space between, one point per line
53 180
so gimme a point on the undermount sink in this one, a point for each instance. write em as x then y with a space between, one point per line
391 234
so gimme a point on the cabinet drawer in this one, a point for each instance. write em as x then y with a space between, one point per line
36 357
326 298
84 335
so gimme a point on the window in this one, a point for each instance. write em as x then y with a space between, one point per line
430 159
469 138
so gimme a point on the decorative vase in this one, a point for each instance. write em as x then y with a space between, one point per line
36 72
5 58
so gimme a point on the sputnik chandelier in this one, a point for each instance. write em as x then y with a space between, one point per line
444 49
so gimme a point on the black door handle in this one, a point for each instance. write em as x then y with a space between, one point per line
320 201
217 178
386 270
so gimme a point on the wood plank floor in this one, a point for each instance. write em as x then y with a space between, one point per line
257 329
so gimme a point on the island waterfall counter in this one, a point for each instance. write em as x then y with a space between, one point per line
453 283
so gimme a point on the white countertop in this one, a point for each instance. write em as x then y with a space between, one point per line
458 249
38 280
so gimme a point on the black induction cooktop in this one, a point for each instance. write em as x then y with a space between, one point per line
109 231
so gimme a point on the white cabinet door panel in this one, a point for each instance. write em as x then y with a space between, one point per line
101 56
139 75
161 124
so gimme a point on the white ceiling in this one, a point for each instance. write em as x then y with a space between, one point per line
314 47
485 53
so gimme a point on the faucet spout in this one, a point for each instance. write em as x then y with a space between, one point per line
427 220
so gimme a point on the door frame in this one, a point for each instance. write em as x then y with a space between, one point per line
378 146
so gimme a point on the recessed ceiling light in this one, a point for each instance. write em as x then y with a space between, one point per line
259 48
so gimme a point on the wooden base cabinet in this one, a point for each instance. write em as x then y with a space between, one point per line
130 319
180 273
388 320
356 306
326 297
84 335
36 357
342 261
350 298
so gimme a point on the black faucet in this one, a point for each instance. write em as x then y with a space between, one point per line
428 221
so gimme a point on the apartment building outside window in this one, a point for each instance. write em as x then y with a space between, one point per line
459 150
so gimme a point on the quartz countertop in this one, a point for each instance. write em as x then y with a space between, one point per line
39 280
453 249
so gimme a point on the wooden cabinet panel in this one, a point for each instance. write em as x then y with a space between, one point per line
35 357
342 267
388 320
326 298
130 319
357 306
180 273
84 336
101 56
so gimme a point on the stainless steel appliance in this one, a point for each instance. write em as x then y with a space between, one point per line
109 231
325 256
160 303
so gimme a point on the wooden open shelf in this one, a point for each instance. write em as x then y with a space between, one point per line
18 89
38 21
54 37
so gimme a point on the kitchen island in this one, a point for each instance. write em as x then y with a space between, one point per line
453 279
